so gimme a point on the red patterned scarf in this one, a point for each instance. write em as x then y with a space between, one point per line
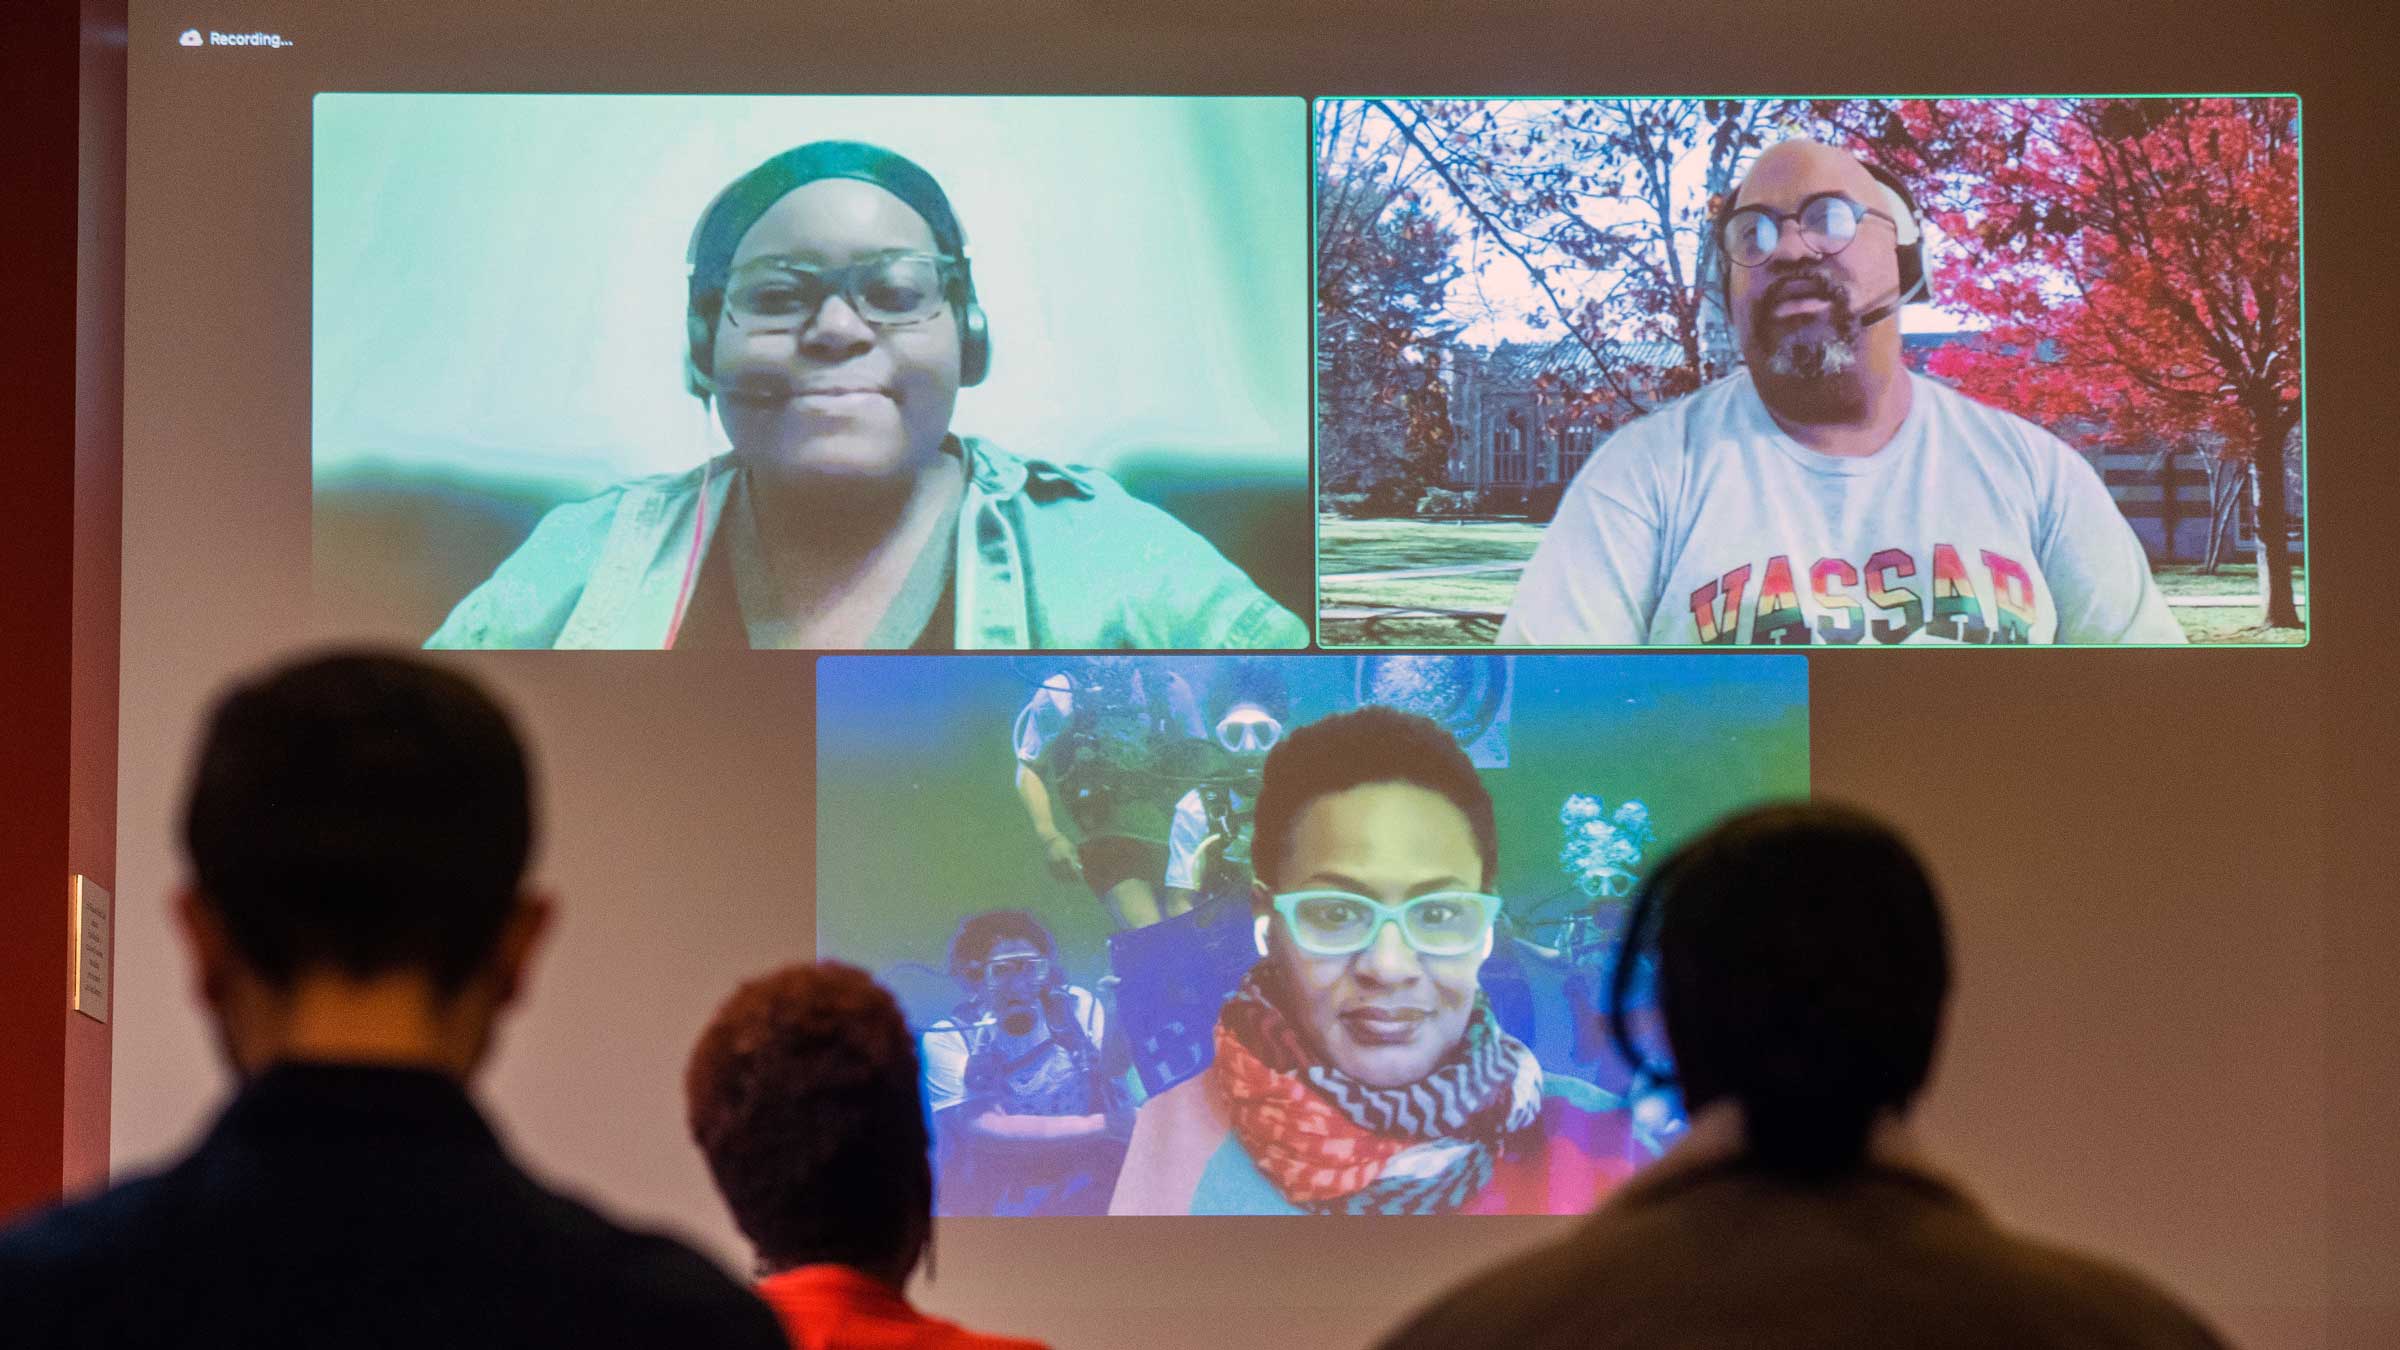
1333 1144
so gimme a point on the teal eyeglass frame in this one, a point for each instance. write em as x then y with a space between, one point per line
1487 906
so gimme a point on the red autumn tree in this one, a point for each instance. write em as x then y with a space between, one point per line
2137 261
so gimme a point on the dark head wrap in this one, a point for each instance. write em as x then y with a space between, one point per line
750 196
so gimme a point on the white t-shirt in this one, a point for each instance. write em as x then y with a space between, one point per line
1051 712
945 1049
1184 838
1045 715
1189 831
1704 523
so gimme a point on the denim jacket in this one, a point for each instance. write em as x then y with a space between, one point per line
1048 555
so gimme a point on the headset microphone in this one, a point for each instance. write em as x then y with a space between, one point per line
1892 306
1909 237
752 194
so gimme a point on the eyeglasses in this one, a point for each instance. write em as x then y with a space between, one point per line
886 290
1339 923
1828 222
1017 968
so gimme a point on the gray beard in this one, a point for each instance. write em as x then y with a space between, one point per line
1807 372
1813 380
1820 359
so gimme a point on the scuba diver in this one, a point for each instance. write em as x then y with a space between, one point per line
1109 743
1030 1110
1208 843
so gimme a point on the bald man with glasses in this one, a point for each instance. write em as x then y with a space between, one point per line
1823 493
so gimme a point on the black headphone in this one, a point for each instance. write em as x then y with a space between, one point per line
702 303
1637 939
1914 284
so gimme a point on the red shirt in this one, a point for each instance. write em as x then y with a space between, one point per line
836 1308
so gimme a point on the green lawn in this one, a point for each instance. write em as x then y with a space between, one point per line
1465 610
2212 627
1483 591
2184 579
2236 627
1345 545
2229 625
1409 630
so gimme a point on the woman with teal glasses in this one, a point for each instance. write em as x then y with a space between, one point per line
1359 1068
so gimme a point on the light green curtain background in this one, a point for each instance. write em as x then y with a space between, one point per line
499 283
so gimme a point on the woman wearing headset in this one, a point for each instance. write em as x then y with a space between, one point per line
1359 1068
833 320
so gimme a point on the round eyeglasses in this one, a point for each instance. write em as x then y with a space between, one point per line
886 290
1828 222
1340 923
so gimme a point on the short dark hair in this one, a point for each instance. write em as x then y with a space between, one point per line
1803 966
360 812
979 933
1374 744
803 1096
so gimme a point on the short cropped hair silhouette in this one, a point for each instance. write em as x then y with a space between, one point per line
358 928
1803 969
363 813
